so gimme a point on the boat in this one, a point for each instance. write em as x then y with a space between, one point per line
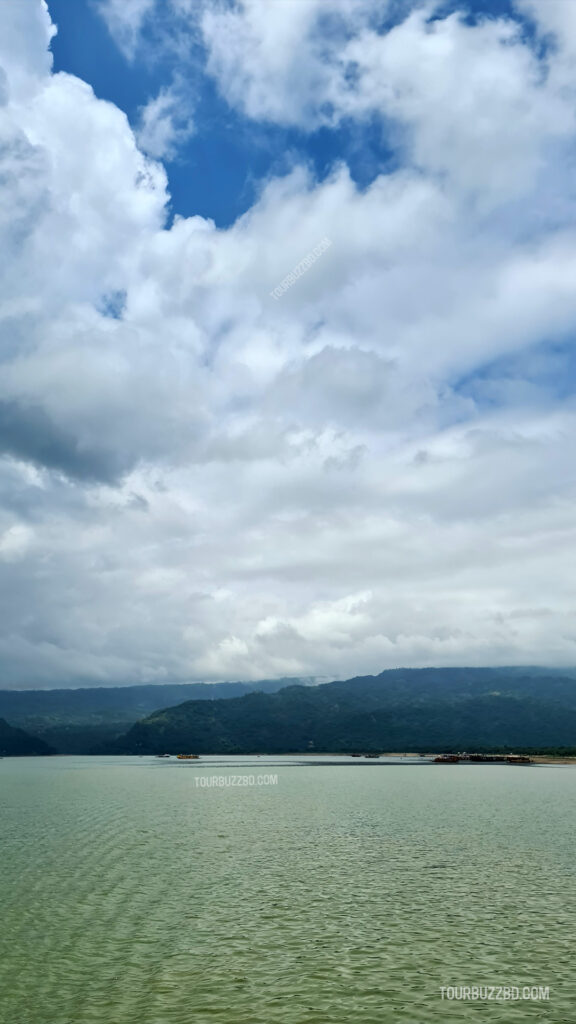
371 755
163 755
447 759
518 759
188 757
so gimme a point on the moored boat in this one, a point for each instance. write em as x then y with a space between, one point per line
188 757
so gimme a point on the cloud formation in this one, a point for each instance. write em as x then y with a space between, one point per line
201 482
165 122
126 20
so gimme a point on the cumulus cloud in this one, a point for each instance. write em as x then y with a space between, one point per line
201 482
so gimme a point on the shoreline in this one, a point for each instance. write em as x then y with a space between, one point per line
541 759
535 758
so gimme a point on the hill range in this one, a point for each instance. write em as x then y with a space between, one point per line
401 709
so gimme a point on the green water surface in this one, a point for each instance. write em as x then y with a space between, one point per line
344 893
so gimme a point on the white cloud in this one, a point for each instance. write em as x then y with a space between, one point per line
555 19
125 20
201 482
165 122
270 60
468 101
478 109
26 34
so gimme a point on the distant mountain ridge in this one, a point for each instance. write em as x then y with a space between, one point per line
75 720
398 709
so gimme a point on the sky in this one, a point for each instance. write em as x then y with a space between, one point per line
210 469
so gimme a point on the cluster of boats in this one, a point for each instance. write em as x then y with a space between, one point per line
182 757
473 758
483 758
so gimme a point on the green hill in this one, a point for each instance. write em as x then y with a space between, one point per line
17 743
432 709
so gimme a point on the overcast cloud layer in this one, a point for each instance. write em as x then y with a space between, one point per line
200 481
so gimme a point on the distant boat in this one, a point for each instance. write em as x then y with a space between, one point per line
163 755
447 759
371 755
188 757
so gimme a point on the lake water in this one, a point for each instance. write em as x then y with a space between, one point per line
341 893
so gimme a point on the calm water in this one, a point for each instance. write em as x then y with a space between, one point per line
130 895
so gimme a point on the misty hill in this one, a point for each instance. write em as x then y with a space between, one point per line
17 743
399 709
74 721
